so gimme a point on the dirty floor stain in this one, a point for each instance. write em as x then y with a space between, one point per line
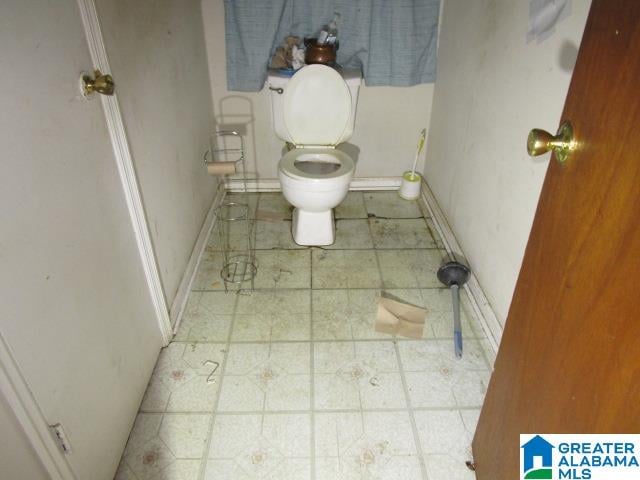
292 382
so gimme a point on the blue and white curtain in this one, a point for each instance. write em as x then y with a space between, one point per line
393 42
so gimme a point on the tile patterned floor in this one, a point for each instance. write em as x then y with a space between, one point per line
293 383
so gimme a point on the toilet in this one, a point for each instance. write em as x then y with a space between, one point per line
314 110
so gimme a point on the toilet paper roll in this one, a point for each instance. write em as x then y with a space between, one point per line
221 168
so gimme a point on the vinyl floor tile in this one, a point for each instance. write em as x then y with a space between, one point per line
292 382
351 207
401 233
391 205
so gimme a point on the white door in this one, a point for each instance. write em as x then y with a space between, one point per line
74 306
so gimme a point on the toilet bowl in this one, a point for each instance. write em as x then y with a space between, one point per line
314 111
315 181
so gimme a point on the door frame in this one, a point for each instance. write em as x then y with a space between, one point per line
126 170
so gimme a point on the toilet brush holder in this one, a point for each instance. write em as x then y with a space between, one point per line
410 186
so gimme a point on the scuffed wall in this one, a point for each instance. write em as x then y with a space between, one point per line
157 53
492 88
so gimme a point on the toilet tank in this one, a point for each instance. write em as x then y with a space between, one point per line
277 84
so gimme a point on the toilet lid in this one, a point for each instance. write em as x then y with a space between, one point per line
317 106
316 163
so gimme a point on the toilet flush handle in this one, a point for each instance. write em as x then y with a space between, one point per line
278 90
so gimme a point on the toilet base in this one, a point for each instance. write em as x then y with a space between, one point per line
313 228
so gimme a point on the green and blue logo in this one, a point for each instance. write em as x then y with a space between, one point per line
580 456
537 459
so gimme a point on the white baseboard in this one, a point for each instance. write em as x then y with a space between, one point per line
234 184
254 185
180 301
375 183
488 319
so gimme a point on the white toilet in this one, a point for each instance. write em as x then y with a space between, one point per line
314 110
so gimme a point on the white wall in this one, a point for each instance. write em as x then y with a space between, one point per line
388 121
157 53
492 88
74 303
18 460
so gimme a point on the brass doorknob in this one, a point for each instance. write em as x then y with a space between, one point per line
541 141
100 83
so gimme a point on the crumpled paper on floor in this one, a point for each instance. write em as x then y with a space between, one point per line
399 318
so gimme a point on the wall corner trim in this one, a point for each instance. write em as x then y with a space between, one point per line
488 319
124 162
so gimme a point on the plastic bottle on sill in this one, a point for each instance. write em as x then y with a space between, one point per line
322 36
332 36
329 33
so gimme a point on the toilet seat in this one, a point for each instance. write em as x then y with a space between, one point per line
316 106
317 109
288 167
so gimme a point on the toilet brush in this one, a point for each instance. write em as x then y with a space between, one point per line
410 185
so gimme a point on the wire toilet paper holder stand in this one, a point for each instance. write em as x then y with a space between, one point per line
234 239
211 154
234 224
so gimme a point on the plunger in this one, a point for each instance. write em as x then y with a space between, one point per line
454 275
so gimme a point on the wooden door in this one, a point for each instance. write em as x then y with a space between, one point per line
569 361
